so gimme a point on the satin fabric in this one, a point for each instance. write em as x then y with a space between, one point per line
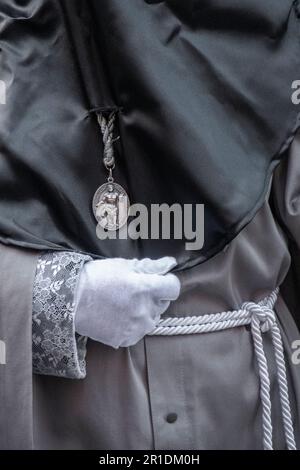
203 90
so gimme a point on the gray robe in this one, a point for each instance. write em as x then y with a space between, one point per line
209 381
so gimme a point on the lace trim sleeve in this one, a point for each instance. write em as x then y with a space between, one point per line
57 349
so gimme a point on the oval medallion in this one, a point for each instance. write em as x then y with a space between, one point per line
111 206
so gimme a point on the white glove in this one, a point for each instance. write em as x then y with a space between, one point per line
119 301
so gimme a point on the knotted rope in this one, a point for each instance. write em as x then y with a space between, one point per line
262 318
107 128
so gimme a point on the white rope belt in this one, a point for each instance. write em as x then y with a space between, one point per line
262 318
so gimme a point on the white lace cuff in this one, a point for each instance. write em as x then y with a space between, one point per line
57 349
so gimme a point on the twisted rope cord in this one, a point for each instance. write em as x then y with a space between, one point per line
265 384
270 323
283 389
281 375
202 324
262 318
107 129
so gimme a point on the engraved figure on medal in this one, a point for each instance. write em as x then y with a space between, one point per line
110 206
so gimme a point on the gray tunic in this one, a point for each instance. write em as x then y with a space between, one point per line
197 391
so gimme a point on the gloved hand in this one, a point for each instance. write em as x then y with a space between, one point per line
119 301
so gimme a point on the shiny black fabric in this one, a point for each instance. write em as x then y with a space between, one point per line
203 89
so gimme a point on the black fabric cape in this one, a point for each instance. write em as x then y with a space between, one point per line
203 89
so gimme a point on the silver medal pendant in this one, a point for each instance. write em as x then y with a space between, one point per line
110 202
111 205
